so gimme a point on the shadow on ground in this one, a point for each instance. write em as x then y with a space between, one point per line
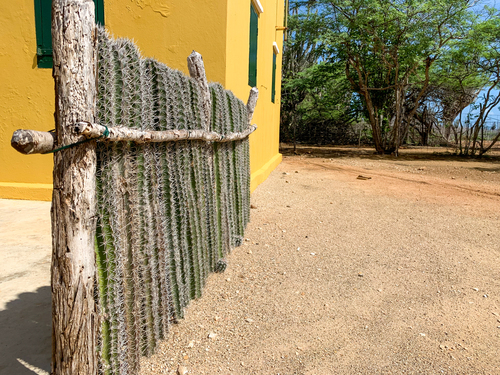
25 334
406 153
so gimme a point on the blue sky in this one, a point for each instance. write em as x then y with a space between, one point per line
495 113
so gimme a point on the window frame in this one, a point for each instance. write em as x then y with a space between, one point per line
43 34
276 51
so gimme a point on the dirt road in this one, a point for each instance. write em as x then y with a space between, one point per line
396 274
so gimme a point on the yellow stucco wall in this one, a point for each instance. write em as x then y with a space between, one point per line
26 101
264 143
170 30
165 29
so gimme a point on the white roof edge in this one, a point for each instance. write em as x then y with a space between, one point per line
258 6
276 48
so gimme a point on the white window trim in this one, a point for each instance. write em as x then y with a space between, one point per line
276 48
258 6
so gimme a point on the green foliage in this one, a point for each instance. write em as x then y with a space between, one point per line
480 52
317 104
389 47
323 106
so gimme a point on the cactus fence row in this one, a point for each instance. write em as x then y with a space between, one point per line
169 212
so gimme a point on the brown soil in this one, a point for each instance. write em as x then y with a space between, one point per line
397 274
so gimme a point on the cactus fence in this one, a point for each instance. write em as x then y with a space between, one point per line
172 194
167 212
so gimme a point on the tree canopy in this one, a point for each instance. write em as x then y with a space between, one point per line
391 61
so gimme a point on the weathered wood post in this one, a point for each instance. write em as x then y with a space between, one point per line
252 103
74 311
197 72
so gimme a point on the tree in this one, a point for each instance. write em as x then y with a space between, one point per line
388 47
323 106
300 51
483 43
454 84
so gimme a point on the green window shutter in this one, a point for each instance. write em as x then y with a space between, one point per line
99 12
252 60
43 26
43 33
273 86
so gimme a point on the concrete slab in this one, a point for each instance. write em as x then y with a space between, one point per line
25 299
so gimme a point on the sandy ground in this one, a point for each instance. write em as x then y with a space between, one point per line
25 318
397 274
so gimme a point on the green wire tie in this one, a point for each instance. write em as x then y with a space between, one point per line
105 134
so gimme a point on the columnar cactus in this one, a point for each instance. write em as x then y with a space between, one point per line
168 212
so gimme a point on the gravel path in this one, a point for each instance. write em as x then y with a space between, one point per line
397 274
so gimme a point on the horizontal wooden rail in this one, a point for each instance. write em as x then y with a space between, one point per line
120 133
37 142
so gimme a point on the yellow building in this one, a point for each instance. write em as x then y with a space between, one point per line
240 41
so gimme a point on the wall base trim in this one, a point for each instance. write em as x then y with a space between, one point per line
260 176
26 191
43 192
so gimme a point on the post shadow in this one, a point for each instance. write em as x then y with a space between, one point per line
25 333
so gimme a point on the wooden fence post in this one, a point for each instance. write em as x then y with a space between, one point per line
74 311
197 72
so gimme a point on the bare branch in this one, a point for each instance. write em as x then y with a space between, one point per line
119 133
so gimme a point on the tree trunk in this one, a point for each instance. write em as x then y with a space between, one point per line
396 128
74 311
374 122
